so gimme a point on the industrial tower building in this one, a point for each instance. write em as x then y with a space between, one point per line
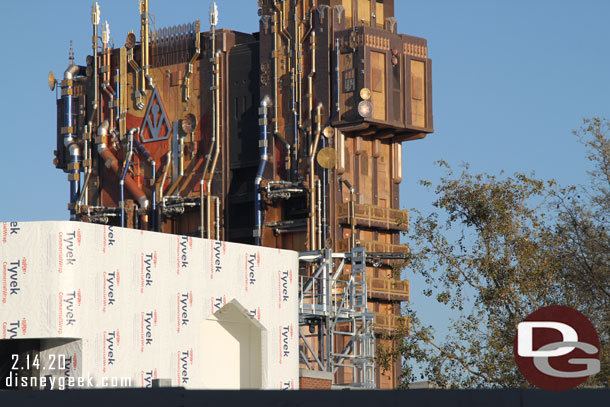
288 138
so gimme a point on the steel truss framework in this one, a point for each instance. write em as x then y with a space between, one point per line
334 316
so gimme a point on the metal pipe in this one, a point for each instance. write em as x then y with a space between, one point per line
397 162
324 208
312 173
201 209
319 225
214 108
136 224
295 127
159 222
69 137
310 78
189 70
294 91
217 224
337 78
105 87
352 211
118 98
111 162
153 180
340 145
264 151
276 128
124 174
137 93
180 157
144 44
84 193
95 20
154 196
167 166
217 146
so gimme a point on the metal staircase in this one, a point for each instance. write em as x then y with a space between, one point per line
336 327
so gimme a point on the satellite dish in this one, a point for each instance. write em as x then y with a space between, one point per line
189 123
327 158
52 81
329 132
365 93
365 109
130 41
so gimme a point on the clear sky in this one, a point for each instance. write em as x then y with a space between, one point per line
511 80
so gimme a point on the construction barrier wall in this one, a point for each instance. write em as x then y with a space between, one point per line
119 303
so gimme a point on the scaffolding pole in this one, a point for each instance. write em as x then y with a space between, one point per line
334 316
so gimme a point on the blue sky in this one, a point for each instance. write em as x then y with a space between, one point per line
511 80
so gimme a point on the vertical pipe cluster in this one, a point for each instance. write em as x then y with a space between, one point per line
69 137
144 43
216 131
275 56
337 78
124 174
312 74
205 187
111 163
106 86
264 151
295 79
312 178
95 20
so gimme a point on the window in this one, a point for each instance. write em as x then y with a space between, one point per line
364 12
379 14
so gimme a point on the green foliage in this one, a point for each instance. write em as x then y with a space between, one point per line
496 249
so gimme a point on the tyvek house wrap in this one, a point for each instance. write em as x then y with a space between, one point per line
143 305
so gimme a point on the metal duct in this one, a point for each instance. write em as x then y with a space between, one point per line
69 140
264 150
124 174
111 162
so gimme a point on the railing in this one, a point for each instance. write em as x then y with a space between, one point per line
374 216
389 323
373 246
387 288
326 296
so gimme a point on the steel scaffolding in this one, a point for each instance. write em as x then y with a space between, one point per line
336 329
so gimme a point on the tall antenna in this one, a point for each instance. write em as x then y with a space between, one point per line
71 54
95 13
213 14
106 33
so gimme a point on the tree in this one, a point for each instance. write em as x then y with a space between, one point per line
496 249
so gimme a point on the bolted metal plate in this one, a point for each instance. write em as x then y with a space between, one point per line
52 81
365 109
327 158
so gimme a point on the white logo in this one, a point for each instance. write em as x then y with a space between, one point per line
569 341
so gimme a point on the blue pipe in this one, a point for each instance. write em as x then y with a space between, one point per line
264 150
152 162
69 141
124 174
